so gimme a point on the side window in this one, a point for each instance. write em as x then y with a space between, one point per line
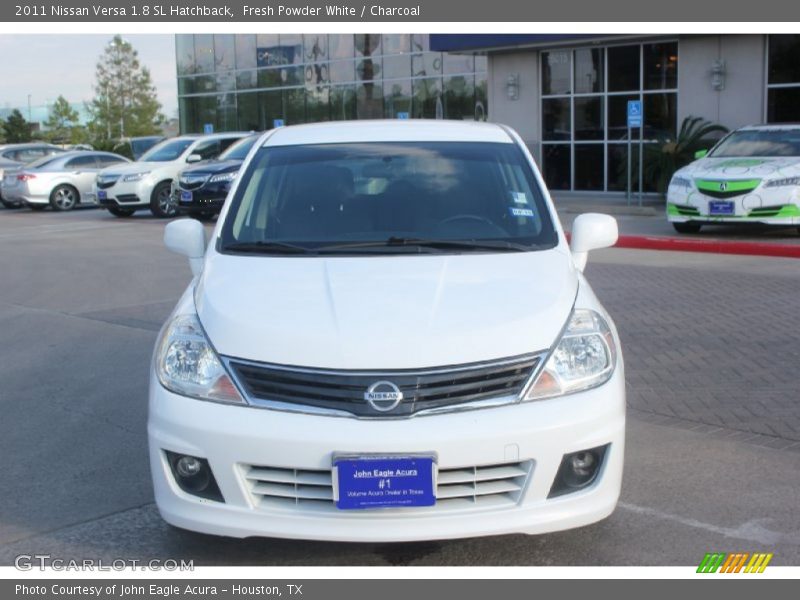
82 162
226 143
29 154
206 150
106 160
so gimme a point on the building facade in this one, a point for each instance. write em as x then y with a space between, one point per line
253 82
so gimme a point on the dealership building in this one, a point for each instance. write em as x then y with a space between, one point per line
567 95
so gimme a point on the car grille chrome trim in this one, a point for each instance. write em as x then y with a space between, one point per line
425 391
106 181
457 488
192 182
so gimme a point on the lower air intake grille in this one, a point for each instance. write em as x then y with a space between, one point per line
485 486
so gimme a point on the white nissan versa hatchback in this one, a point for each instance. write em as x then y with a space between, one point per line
387 338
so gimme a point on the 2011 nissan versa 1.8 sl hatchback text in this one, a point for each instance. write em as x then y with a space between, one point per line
387 338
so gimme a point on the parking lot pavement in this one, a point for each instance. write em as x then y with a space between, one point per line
713 445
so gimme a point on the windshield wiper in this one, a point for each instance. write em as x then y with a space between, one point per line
419 243
266 248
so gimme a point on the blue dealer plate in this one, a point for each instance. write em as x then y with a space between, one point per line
186 197
720 207
384 482
102 195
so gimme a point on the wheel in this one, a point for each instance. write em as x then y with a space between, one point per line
162 204
64 197
37 207
9 204
687 227
120 212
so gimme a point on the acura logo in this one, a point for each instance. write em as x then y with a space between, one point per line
723 185
383 396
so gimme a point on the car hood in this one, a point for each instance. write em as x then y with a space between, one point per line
742 168
385 312
213 166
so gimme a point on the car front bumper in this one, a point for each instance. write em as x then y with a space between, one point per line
126 194
537 434
776 206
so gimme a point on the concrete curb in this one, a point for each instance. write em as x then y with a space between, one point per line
714 246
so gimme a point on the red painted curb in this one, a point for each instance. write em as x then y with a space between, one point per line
644 242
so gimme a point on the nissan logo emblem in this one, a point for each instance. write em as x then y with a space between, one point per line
383 396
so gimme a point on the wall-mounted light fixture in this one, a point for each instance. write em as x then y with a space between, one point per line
512 86
718 75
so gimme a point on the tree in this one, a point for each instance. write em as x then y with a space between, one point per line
125 103
61 122
16 128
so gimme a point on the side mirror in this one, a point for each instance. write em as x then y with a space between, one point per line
193 158
591 231
187 237
700 154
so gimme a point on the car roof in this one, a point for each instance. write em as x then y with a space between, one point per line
24 145
388 130
71 153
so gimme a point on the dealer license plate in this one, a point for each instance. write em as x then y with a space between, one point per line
361 482
720 207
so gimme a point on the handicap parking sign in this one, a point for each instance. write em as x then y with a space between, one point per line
277 122
634 113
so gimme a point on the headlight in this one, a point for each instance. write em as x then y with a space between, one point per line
680 182
223 177
786 181
187 364
135 176
584 358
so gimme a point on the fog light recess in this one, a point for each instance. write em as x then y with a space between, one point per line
193 475
578 470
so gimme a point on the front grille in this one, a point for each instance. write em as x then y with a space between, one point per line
422 389
687 211
107 181
127 198
192 182
723 195
484 486
719 189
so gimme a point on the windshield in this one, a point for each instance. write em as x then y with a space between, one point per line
141 145
239 150
388 198
776 142
166 151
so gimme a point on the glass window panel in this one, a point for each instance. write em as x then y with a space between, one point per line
618 117
343 103
368 44
205 84
226 113
396 43
481 97
294 102
588 71
292 76
481 63
341 45
246 80
185 85
318 106
316 74
270 107
623 68
457 64
556 166
204 52
420 42
184 54
206 112
397 97
425 65
589 118
291 49
618 167
660 66
245 51
188 108
315 47
556 119
428 102
368 69
783 105
342 71
556 72
248 112
269 78
268 50
784 59
651 156
224 51
589 166
369 101
396 67
226 81
660 116
459 97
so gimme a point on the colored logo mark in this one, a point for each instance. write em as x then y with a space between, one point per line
734 562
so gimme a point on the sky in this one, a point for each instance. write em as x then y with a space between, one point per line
46 66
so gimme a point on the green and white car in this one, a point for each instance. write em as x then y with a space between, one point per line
752 175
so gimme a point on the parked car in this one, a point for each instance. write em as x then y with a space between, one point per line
201 190
13 156
146 183
62 180
752 175
388 338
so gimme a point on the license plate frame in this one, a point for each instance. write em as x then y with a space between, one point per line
364 482
186 197
721 208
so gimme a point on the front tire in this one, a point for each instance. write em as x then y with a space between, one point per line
687 227
162 205
64 197
120 212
